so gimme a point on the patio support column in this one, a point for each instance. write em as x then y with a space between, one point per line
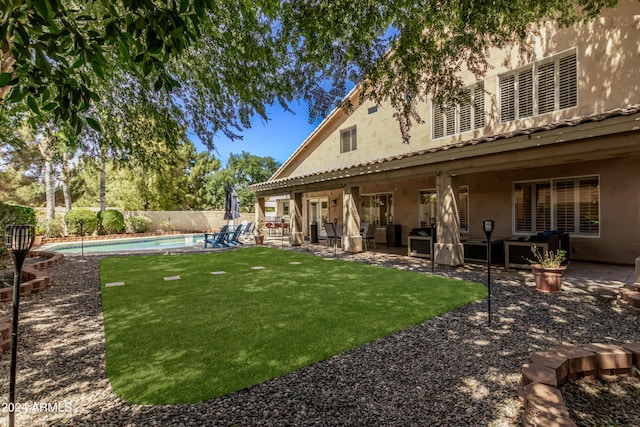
351 238
448 249
260 209
297 236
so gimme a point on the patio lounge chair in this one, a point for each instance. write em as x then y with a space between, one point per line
217 240
247 231
233 239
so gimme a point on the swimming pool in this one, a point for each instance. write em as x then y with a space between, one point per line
128 244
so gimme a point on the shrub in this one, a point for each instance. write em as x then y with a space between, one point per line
139 224
12 214
110 221
47 227
73 217
165 225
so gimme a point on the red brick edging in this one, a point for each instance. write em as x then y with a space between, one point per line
548 370
36 281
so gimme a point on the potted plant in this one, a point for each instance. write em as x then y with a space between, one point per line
259 237
548 269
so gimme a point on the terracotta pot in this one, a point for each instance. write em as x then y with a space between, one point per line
548 279
259 240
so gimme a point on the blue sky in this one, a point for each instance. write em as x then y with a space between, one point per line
278 138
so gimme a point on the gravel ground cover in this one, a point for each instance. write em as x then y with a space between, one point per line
454 370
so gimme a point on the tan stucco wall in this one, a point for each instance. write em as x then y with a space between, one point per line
609 78
490 197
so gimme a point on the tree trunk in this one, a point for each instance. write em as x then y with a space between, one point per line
65 177
103 185
50 188
45 146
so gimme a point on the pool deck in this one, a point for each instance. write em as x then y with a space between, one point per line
578 273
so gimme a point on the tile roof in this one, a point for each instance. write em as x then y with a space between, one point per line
597 117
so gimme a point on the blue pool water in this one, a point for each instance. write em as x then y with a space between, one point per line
128 244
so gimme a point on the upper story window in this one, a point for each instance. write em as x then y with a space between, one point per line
372 110
542 87
348 140
469 114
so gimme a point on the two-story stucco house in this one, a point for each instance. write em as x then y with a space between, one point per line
550 141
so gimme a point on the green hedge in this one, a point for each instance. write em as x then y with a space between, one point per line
73 217
110 221
47 227
139 224
12 214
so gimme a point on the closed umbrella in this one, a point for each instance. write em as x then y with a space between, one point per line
228 190
235 205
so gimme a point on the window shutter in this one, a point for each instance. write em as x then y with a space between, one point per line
354 139
543 206
478 106
589 205
345 143
465 112
451 119
568 91
525 93
507 98
438 121
522 198
463 209
565 206
546 88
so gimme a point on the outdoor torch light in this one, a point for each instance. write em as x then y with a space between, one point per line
487 226
18 240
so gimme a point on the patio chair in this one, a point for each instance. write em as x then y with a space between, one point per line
332 236
368 234
233 237
247 231
217 240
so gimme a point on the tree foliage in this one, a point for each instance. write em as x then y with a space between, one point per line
219 62
242 170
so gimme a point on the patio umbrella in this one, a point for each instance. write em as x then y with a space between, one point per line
228 190
231 203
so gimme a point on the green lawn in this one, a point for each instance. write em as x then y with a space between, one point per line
208 335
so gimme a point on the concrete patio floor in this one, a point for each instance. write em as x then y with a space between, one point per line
578 273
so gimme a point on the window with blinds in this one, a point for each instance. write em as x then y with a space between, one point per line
539 88
348 140
522 207
569 204
469 114
589 205
463 209
565 206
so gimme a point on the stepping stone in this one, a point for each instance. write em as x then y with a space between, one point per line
295 263
172 278
329 259
257 268
218 272
108 285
